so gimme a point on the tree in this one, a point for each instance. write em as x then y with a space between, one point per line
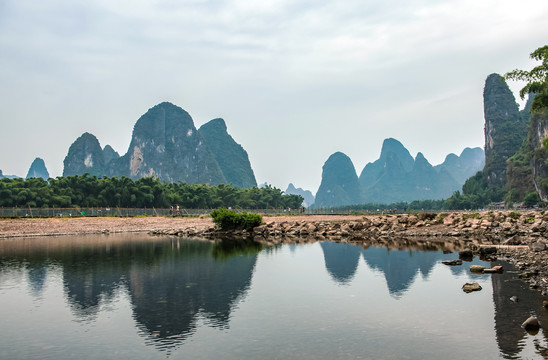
537 79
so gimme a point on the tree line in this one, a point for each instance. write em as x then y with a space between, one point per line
92 191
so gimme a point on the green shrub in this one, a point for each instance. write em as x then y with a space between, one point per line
531 199
232 220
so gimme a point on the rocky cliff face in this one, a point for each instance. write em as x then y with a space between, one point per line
231 156
505 129
85 156
306 194
538 131
38 170
166 145
340 185
109 154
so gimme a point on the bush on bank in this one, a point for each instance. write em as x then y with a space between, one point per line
232 220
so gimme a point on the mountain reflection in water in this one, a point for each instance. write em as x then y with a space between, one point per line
171 282
399 267
177 288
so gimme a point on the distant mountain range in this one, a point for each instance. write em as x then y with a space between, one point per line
165 144
306 194
395 177
7 176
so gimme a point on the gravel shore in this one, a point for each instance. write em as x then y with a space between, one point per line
96 225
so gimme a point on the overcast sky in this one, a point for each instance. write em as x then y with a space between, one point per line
295 80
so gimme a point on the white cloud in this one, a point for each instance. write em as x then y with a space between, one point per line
283 74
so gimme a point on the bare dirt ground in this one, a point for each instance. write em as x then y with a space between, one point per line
88 225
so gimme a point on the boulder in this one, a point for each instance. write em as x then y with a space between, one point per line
466 254
469 287
506 226
477 268
487 250
531 323
494 270
452 262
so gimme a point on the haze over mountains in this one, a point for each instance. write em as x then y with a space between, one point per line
166 145
395 177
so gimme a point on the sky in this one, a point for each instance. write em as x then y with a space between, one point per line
295 81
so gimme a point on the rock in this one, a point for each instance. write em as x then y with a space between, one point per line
412 220
514 240
477 268
469 287
452 262
493 270
531 323
514 298
506 226
466 254
448 221
487 250
538 246
498 268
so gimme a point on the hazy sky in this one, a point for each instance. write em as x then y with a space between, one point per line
295 81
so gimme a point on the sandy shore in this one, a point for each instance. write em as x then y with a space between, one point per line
88 225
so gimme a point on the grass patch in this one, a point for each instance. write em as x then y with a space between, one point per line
472 215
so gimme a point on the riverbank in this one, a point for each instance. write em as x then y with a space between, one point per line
521 238
31 227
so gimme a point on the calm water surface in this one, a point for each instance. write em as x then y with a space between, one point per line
141 297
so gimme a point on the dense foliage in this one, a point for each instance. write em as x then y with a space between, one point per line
232 220
537 79
91 191
476 194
